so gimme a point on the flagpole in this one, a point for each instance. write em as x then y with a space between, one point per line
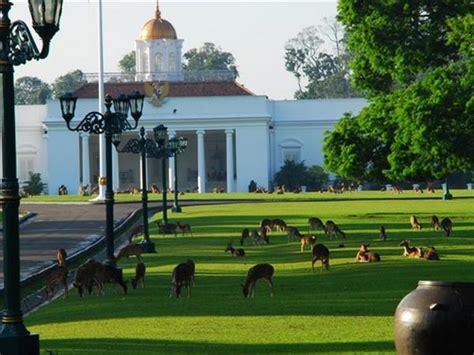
102 165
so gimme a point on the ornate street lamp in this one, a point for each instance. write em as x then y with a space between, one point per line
17 47
112 124
142 146
447 195
182 144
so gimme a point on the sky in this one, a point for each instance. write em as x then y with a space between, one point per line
254 32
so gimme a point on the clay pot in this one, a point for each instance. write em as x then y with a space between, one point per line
436 318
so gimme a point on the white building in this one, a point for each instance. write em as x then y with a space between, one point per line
234 136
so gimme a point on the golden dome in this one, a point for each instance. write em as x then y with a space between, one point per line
158 28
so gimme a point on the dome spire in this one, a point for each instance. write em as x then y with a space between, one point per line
158 12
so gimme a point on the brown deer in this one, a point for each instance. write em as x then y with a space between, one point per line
259 271
383 234
307 240
57 276
140 270
155 189
293 233
267 224
185 228
279 224
447 226
182 276
415 224
259 239
131 249
431 254
412 252
364 255
435 223
135 232
87 277
169 228
320 252
61 256
110 274
314 223
245 235
233 251
333 230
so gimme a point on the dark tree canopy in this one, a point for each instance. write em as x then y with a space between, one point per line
31 91
127 64
209 57
69 82
415 59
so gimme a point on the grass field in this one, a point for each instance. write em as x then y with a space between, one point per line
347 310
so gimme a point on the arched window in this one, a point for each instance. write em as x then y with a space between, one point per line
291 150
172 62
158 62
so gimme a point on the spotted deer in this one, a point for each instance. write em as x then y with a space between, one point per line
364 255
255 273
182 276
61 256
320 252
140 270
128 250
415 224
235 252
135 232
314 223
267 224
435 223
244 235
185 229
307 240
412 252
57 276
293 233
333 230
279 225
431 254
87 277
169 228
447 226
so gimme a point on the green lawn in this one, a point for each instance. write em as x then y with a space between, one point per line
347 310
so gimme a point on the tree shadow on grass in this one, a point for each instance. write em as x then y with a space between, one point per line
146 346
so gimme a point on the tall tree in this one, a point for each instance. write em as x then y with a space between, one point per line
415 61
210 57
31 91
128 62
69 82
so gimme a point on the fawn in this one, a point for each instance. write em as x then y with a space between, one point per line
131 249
135 232
57 276
233 251
447 226
412 252
293 233
431 254
278 224
383 234
435 223
185 228
245 235
320 252
140 270
333 230
365 255
61 256
307 240
415 224
314 223
182 276
259 271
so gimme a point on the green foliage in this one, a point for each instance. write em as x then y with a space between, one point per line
127 64
69 82
34 186
317 178
31 91
209 57
354 301
292 174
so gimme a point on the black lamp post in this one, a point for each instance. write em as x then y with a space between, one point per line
144 147
112 124
182 144
447 195
17 47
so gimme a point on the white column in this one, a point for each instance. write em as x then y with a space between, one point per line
272 155
171 134
86 174
115 169
229 150
201 161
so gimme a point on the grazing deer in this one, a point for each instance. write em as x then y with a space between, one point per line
135 232
169 228
245 235
131 249
140 270
365 255
267 224
155 189
435 223
110 274
307 240
87 276
279 224
259 239
415 224
447 226
84 190
314 223
185 228
383 234
233 251
259 271
293 233
333 230
431 254
320 252
412 252
57 276
182 276
61 256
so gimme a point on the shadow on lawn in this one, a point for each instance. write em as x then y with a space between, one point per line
147 346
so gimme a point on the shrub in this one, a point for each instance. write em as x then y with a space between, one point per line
34 186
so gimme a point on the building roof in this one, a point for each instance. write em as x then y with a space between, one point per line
176 89
158 28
